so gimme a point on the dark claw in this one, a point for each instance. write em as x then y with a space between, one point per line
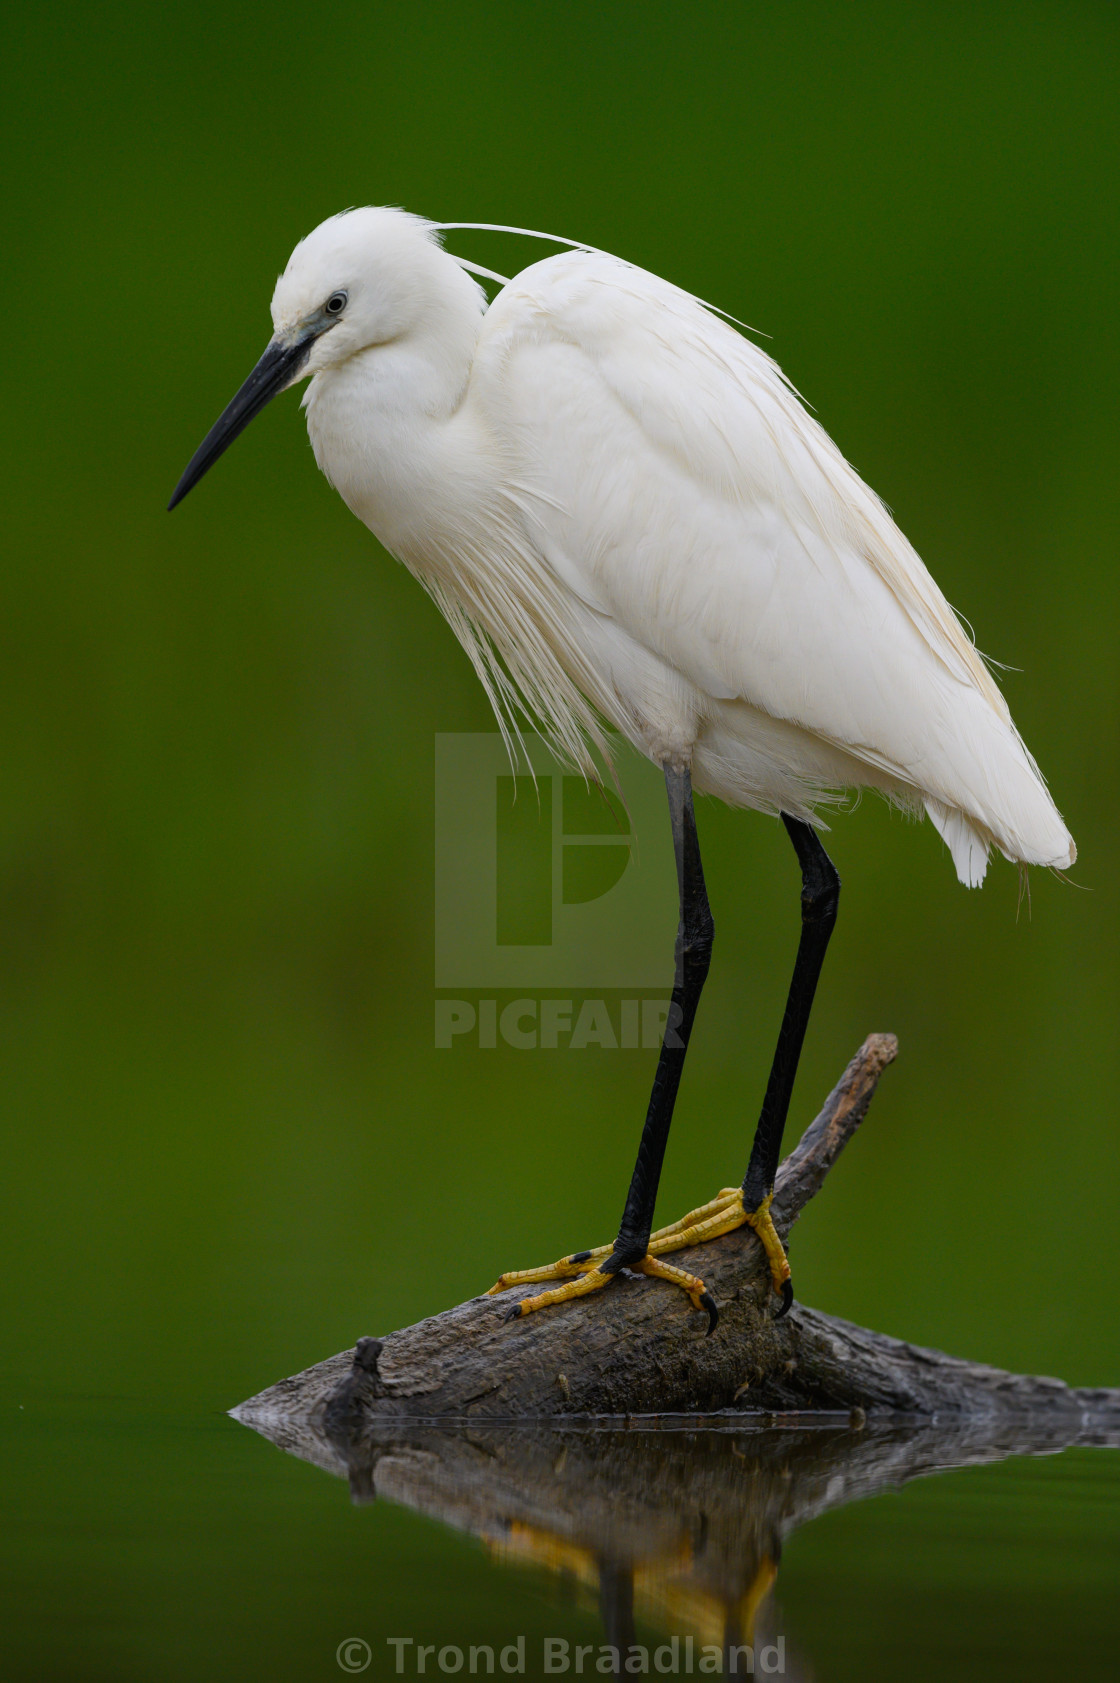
787 1299
512 1314
708 1302
580 1256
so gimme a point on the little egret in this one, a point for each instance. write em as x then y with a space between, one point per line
630 521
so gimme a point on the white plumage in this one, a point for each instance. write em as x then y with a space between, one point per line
628 516
629 519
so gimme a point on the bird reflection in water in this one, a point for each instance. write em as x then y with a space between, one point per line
677 1522
679 1529
665 1590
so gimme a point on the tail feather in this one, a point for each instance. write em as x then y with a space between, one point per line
969 849
970 842
983 789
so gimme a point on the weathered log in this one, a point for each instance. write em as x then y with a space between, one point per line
636 1349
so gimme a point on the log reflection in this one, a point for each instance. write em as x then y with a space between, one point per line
676 1523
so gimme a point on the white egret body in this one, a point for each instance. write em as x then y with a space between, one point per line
620 494
627 515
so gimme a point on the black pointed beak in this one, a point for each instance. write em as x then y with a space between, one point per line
278 367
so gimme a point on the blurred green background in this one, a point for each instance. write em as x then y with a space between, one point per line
230 1146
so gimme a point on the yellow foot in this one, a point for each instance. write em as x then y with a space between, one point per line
724 1213
586 1271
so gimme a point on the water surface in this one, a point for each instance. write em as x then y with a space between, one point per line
149 1542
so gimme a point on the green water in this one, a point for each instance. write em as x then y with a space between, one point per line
157 1542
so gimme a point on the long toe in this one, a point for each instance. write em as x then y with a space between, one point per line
587 1271
593 1279
763 1223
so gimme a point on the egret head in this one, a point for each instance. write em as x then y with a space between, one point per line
362 279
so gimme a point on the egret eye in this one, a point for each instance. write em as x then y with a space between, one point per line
336 303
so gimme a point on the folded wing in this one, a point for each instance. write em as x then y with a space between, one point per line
679 488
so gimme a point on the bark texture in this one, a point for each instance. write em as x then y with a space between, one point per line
636 1348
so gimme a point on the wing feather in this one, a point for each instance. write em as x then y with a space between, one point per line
680 490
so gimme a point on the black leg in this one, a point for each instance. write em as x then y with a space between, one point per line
693 955
820 896
588 1271
616 1607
